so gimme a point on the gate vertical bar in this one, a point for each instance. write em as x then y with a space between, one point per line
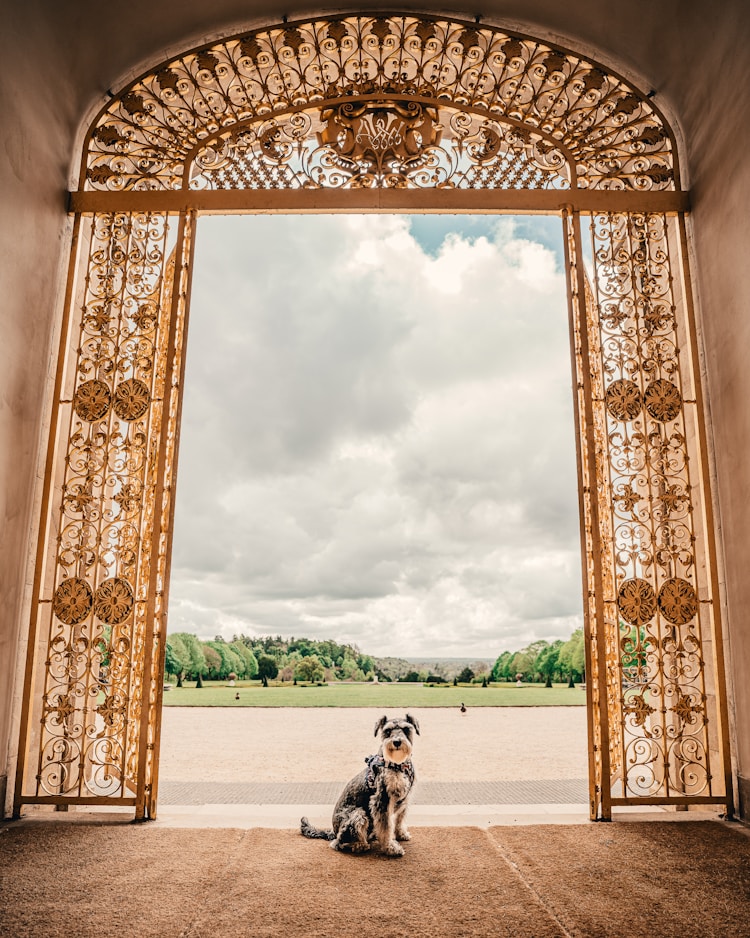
591 543
43 533
709 520
161 537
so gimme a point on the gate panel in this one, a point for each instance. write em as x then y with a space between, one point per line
101 566
655 639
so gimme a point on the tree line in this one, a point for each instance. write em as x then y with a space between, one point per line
303 659
543 661
265 658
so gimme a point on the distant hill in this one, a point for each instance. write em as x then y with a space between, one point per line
393 667
446 668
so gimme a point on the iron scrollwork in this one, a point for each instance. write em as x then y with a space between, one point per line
660 607
393 144
113 412
366 74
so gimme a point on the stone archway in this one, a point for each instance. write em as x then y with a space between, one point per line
377 113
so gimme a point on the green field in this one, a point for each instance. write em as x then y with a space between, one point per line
252 694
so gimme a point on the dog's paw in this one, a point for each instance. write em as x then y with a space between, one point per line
393 850
360 848
403 834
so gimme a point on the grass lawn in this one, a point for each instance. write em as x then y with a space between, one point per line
252 694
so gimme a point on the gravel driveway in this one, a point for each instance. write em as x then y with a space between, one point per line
329 744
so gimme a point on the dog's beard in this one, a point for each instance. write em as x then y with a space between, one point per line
397 755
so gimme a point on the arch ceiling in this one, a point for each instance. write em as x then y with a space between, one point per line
380 101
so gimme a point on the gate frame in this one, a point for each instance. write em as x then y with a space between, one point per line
187 204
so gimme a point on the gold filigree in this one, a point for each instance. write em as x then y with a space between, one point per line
131 399
79 500
114 600
62 709
389 101
129 497
73 600
687 710
655 537
608 132
627 498
677 601
146 316
384 136
388 143
673 499
113 710
637 708
636 601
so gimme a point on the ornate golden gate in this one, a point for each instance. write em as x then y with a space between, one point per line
393 113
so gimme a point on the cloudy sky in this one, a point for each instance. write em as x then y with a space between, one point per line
377 441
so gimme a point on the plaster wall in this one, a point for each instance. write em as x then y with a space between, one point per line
58 60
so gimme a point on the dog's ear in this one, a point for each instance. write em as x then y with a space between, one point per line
380 724
414 722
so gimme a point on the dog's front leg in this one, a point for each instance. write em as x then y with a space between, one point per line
402 832
384 823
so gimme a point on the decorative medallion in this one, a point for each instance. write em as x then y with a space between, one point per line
114 601
663 400
381 140
73 600
131 399
636 601
677 601
623 399
92 400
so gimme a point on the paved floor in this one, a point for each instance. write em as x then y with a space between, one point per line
541 791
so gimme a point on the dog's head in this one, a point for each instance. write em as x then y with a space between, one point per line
397 737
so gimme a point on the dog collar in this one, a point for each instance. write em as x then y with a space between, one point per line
377 762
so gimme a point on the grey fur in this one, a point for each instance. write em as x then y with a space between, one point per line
372 807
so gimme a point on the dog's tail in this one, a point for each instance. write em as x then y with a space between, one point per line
307 830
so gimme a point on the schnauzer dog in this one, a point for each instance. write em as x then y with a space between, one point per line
372 807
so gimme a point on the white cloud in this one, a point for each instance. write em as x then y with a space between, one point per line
377 442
